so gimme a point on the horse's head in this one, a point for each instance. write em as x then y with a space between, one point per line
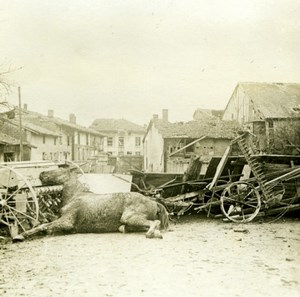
55 177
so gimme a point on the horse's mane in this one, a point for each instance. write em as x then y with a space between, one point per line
163 216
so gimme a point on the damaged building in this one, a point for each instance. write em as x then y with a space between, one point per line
271 111
169 147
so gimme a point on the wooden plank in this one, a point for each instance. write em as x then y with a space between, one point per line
220 167
186 146
182 197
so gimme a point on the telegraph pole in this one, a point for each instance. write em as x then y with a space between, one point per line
20 125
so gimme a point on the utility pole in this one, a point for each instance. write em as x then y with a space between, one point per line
20 125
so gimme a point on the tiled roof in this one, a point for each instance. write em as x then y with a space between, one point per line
50 122
7 139
274 100
6 107
206 113
212 128
34 127
75 126
111 125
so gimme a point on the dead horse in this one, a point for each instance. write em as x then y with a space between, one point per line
87 212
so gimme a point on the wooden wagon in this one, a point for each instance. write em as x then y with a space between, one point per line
238 188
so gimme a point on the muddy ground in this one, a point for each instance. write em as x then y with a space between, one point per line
199 257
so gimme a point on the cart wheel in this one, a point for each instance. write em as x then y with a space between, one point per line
212 199
240 202
19 207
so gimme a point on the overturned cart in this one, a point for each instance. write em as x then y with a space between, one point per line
239 187
24 201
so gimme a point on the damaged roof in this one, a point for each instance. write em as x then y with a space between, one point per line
112 125
274 100
212 128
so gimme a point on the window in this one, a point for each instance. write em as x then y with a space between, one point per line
87 139
54 140
44 139
121 141
109 141
69 140
121 153
129 153
138 141
271 124
9 157
137 153
78 138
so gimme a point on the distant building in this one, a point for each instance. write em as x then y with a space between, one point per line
36 141
168 147
74 142
47 138
201 114
122 137
272 111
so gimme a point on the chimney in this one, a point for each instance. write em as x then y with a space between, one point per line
50 113
165 115
155 117
72 118
25 106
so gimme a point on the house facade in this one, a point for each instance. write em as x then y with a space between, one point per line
35 141
169 147
74 142
122 137
48 138
271 111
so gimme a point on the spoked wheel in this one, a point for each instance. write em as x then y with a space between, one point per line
19 207
240 202
212 199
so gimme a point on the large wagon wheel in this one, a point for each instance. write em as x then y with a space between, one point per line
19 208
240 202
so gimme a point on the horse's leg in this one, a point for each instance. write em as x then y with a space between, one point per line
135 220
154 231
33 231
64 224
129 229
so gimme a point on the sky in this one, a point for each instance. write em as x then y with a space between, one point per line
131 59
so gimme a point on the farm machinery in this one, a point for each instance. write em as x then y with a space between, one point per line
237 188
24 201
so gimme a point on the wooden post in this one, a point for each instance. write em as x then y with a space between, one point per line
20 125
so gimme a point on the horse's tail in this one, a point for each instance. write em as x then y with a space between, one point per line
163 216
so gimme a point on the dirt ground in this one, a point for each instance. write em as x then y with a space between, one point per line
198 257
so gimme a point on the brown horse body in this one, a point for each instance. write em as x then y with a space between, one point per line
86 212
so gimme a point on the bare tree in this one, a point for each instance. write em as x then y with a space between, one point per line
5 82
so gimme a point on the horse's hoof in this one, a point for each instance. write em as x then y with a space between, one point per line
122 229
150 235
18 238
157 234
